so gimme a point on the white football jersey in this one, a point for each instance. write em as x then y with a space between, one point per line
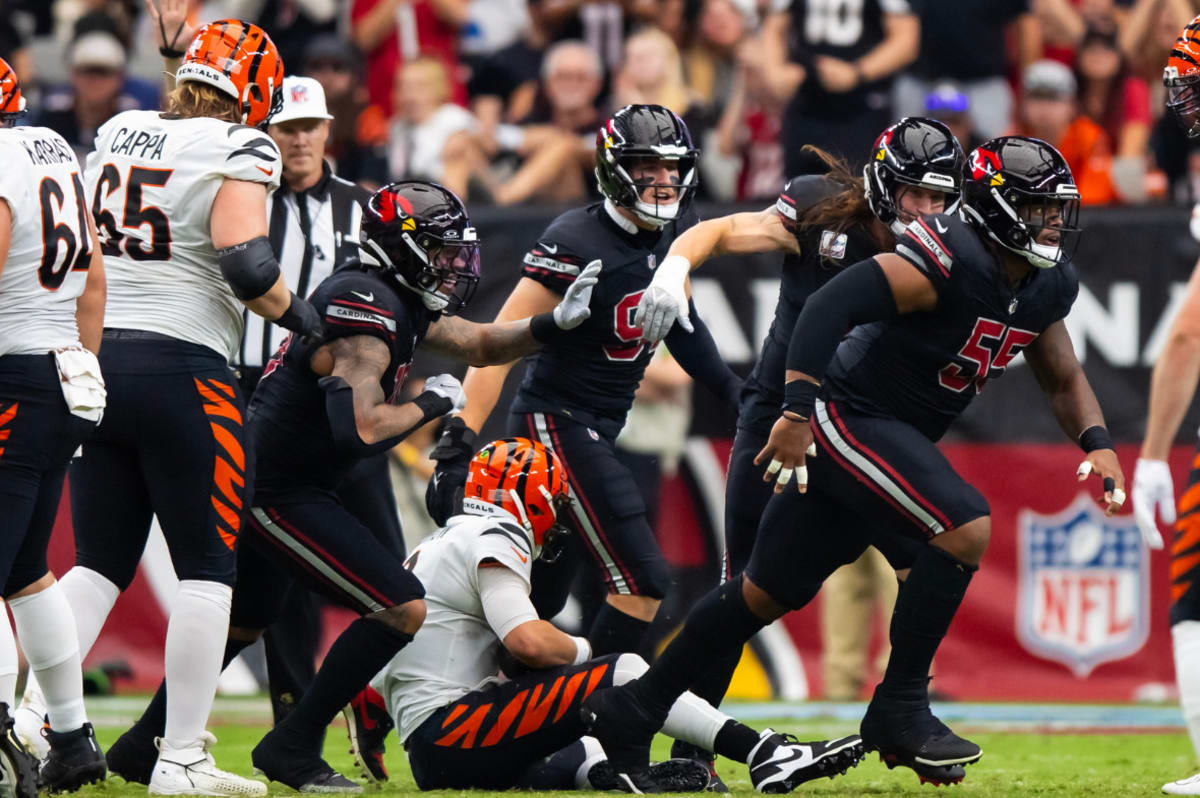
50 249
455 651
152 181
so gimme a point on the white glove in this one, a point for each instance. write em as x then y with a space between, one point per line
664 301
449 387
1152 489
573 310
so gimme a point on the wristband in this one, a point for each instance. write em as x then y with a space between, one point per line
583 650
432 405
167 52
543 327
1094 438
800 396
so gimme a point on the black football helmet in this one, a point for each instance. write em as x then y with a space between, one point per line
420 234
1014 188
913 152
639 132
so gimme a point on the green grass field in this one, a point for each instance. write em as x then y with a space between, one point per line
1014 763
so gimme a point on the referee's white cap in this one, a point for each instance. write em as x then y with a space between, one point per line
303 98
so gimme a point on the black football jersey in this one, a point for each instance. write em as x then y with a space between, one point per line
823 254
925 368
589 374
287 419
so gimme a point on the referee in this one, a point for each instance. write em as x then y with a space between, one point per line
314 220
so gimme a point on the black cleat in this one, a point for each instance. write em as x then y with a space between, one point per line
625 730
780 763
682 750
74 760
302 771
368 724
132 756
18 767
674 775
905 732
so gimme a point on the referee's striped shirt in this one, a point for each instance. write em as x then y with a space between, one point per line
312 232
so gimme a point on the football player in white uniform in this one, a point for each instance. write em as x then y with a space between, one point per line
179 200
465 729
51 396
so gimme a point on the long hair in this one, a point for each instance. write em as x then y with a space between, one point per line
841 210
192 99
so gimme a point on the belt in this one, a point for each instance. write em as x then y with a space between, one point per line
135 335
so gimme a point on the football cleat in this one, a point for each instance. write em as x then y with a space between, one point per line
190 770
132 756
682 750
29 721
905 732
18 768
624 729
674 775
74 760
780 763
303 772
368 724
1188 786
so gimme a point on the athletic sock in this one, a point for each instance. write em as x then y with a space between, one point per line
720 622
153 721
616 632
8 663
1185 642
736 741
356 656
196 637
46 628
924 609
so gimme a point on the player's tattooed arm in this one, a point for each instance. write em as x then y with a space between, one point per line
361 360
481 344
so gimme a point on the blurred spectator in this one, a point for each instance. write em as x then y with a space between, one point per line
96 92
572 77
834 66
711 61
1049 112
604 24
1147 33
359 132
492 25
504 86
964 41
652 72
423 121
947 104
394 32
750 127
291 24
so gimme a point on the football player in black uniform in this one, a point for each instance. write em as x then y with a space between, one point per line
929 324
324 405
578 389
822 223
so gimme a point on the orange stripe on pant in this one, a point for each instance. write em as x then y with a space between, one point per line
466 730
5 417
229 471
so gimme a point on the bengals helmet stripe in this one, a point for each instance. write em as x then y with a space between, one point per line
11 101
524 479
239 59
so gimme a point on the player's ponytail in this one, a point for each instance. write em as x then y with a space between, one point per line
191 99
844 209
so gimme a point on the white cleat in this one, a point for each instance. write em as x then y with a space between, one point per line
28 722
1188 786
190 770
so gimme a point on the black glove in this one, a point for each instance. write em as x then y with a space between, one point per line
443 495
302 318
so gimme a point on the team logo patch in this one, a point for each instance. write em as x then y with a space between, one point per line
833 245
1084 586
299 94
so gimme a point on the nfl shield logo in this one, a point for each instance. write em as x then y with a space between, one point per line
299 94
1084 593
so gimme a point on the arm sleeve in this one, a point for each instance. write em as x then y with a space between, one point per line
697 353
859 295
505 599
247 153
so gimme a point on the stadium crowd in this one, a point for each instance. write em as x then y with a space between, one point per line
499 99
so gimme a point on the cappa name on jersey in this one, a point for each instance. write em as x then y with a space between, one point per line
48 151
138 144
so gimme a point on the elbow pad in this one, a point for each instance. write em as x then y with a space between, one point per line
339 407
250 268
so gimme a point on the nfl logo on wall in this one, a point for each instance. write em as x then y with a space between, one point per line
1084 592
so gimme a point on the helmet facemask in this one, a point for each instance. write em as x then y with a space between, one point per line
447 269
1183 100
1045 229
882 187
666 200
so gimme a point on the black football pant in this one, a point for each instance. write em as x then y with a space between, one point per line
1185 550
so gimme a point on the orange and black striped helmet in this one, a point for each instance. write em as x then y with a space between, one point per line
240 59
1182 78
11 101
526 480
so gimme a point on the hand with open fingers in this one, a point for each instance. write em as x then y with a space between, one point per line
790 443
1103 463
1152 490
573 310
170 17
664 302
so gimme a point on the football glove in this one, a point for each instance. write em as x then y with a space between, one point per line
1152 491
444 493
573 310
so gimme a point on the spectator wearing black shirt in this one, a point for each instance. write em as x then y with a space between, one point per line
835 64
503 87
964 41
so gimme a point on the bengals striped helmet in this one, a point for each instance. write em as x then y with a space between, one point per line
1182 79
525 480
11 101
239 59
